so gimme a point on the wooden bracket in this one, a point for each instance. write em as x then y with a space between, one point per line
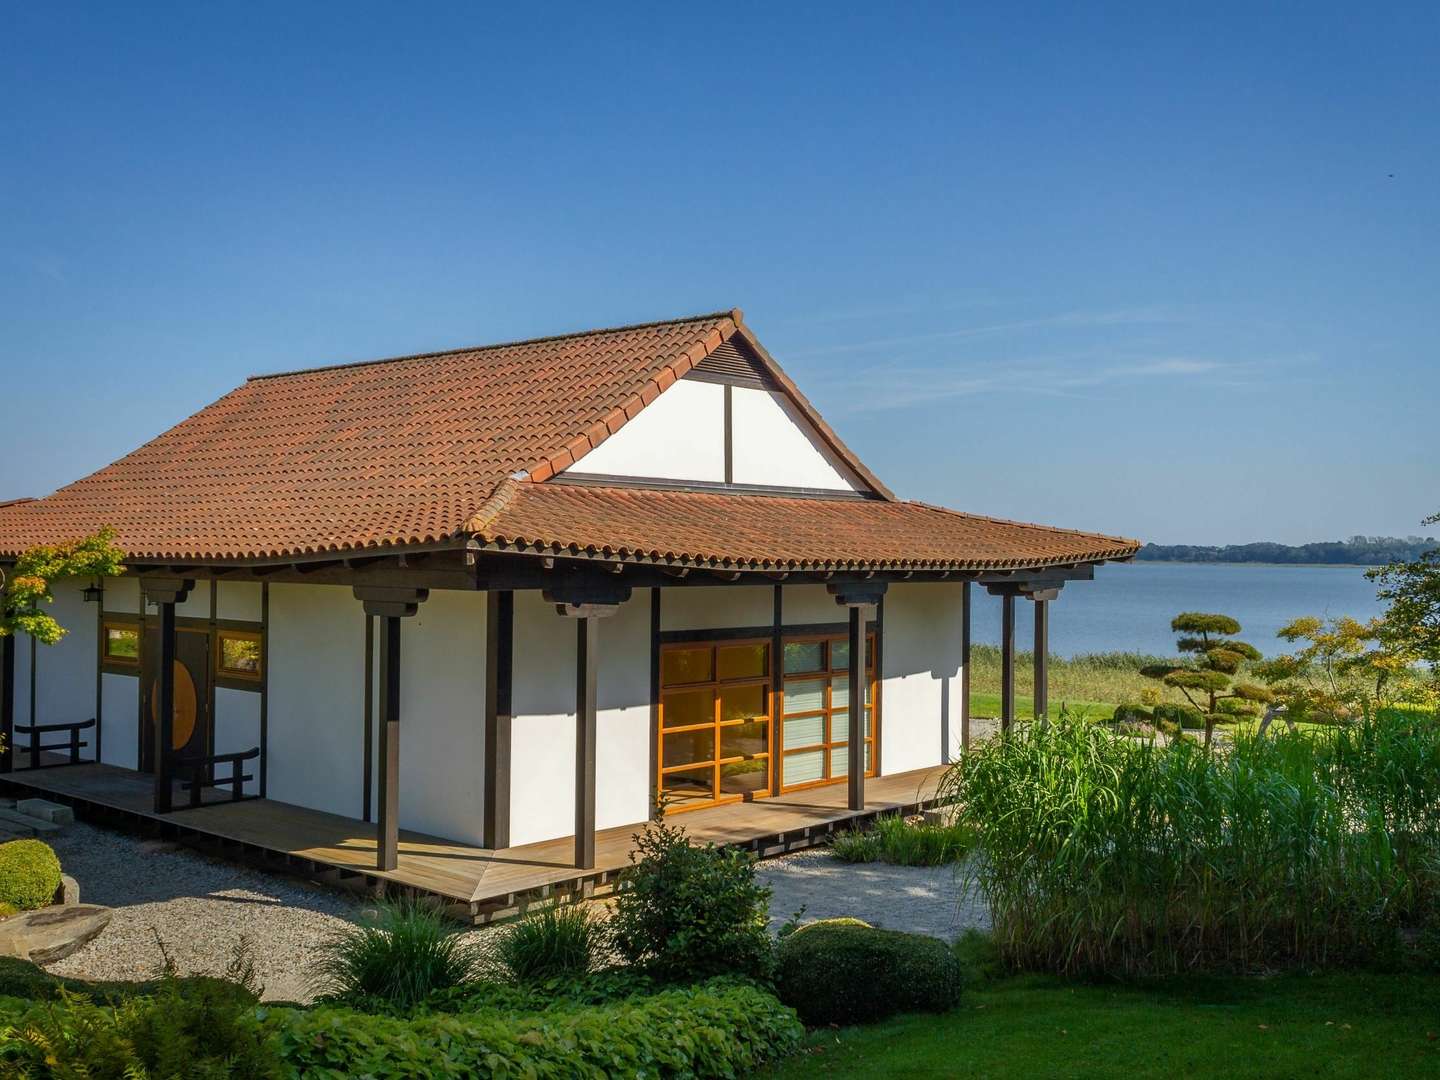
390 601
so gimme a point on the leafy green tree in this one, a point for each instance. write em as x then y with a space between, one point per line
1412 622
27 590
1206 672
1343 668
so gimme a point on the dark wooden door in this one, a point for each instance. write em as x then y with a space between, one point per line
193 728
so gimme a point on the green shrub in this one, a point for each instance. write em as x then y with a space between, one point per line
839 920
719 1029
404 954
22 979
557 942
1108 855
892 839
685 911
834 974
1182 715
29 874
193 1028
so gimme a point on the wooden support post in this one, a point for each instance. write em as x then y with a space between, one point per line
387 834
586 604
587 640
165 593
857 596
7 702
964 667
1042 658
856 713
499 662
389 604
1007 661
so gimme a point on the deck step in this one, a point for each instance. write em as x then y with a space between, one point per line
46 810
13 819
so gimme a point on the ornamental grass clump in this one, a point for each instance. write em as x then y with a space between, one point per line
1103 854
396 959
892 839
556 942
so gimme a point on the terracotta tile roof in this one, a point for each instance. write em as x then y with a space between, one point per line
770 532
389 452
432 448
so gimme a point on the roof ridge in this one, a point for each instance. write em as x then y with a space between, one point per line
1021 524
499 498
730 313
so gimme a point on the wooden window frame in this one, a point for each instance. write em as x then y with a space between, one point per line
233 678
827 674
120 665
716 725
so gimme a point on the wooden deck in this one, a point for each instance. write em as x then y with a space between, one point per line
479 883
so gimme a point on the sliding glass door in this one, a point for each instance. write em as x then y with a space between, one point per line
815 727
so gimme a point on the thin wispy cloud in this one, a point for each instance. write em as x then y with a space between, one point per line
1124 317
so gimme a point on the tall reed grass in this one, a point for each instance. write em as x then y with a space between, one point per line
1103 854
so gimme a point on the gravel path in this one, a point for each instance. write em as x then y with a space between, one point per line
921 899
201 906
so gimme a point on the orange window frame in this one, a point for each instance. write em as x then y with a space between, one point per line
109 659
717 724
827 673
239 674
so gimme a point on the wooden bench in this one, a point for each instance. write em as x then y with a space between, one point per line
201 770
73 745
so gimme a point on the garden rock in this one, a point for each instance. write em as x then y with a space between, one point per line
52 933
45 810
15 821
69 891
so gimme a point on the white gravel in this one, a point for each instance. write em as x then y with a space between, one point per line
199 907
920 899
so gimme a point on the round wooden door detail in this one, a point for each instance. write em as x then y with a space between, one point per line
187 704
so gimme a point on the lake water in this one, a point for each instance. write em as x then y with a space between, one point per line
1128 607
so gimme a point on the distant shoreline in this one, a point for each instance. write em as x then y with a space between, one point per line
1252 562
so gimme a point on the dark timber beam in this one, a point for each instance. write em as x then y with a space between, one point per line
499 667
389 605
165 593
586 605
1007 662
964 667
7 702
857 596
1042 657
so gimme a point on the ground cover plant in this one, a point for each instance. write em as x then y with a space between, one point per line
1103 854
893 839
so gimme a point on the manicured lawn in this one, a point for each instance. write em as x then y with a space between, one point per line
1026 1027
989 705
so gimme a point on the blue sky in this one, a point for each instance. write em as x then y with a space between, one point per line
1167 273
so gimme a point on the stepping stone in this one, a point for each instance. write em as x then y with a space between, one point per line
52 933
13 819
10 830
45 810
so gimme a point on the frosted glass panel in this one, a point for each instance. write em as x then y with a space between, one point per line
804 695
839 654
802 768
840 692
840 761
807 732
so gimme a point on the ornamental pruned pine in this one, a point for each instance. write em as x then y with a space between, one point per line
1211 657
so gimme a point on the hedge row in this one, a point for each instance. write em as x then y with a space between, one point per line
716 1029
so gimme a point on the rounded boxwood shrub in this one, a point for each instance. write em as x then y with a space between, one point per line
842 974
29 874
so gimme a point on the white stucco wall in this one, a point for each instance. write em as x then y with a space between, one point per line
121 720
704 607
236 600
64 672
543 730
679 436
775 445
809 604
237 727
442 716
122 595
316 711
920 695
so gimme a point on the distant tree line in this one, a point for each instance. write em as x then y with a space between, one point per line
1357 551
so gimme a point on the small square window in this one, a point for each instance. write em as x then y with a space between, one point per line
122 643
238 654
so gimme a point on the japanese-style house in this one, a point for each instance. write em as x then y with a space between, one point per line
459 621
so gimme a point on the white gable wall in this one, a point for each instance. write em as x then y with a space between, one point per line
681 436
678 436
